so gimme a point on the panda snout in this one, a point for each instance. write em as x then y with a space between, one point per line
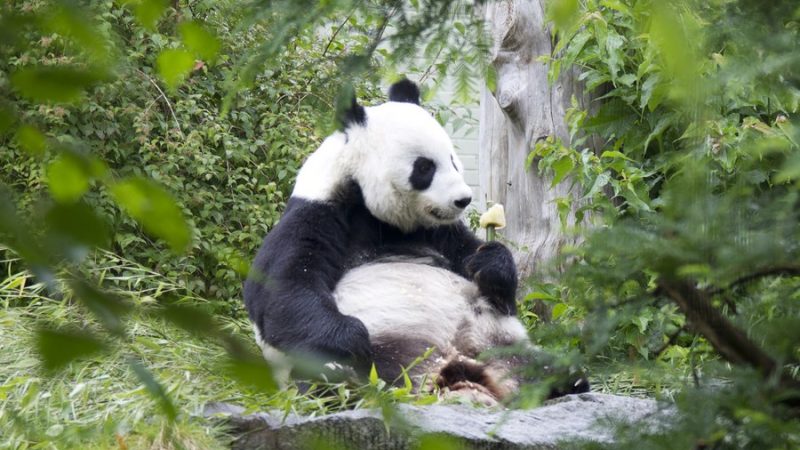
462 202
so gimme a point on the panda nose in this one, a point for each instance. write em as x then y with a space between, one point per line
462 203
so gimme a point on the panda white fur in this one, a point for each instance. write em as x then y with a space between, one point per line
371 263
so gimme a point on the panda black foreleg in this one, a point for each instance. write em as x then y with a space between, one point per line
493 269
316 334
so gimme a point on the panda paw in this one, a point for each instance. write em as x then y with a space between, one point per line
351 345
493 270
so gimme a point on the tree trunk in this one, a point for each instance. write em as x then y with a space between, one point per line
524 109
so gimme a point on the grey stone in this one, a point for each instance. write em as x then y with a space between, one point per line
574 418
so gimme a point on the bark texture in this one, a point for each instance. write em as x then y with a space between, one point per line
524 109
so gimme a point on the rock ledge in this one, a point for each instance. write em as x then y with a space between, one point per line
568 419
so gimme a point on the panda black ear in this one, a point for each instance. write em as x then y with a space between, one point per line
353 114
404 91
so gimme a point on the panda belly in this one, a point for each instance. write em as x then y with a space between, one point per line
408 299
409 307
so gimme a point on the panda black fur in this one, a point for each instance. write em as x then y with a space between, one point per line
370 261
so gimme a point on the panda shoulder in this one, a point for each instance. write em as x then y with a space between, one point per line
323 171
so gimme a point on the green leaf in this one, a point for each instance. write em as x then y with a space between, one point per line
540 295
253 372
69 19
154 388
598 184
564 13
651 92
31 140
199 40
108 308
58 84
627 80
191 319
561 169
373 375
614 43
174 66
77 224
491 78
559 309
7 117
664 122
614 154
155 209
58 348
149 11
67 178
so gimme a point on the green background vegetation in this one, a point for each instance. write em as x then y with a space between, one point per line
146 147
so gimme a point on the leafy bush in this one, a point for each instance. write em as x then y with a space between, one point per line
231 173
688 275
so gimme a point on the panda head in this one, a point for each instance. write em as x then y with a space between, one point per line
404 162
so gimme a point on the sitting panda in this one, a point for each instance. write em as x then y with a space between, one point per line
371 263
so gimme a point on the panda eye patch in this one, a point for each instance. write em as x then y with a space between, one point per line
422 173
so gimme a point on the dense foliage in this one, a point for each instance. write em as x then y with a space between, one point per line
169 134
689 269
230 173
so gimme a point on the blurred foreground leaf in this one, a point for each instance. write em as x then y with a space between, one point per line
174 66
69 175
31 140
57 84
77 224
108 308
155 209
149 11
58 348
199 40
252 371
154 388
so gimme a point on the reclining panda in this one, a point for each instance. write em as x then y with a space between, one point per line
371 263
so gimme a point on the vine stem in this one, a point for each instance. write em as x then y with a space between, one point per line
166 100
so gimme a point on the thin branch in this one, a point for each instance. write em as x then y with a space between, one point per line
776 271
336 32
166 100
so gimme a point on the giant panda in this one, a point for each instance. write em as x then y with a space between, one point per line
372 264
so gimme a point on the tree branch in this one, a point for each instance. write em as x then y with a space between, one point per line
729 341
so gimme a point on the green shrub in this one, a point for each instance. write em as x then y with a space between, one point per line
687 276
230 173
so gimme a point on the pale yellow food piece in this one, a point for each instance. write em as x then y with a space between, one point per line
494 216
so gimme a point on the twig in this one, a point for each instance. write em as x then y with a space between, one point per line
166 100
336 32
766 272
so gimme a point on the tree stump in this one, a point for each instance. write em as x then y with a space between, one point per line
524 109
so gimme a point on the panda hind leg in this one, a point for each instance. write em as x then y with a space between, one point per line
479 382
